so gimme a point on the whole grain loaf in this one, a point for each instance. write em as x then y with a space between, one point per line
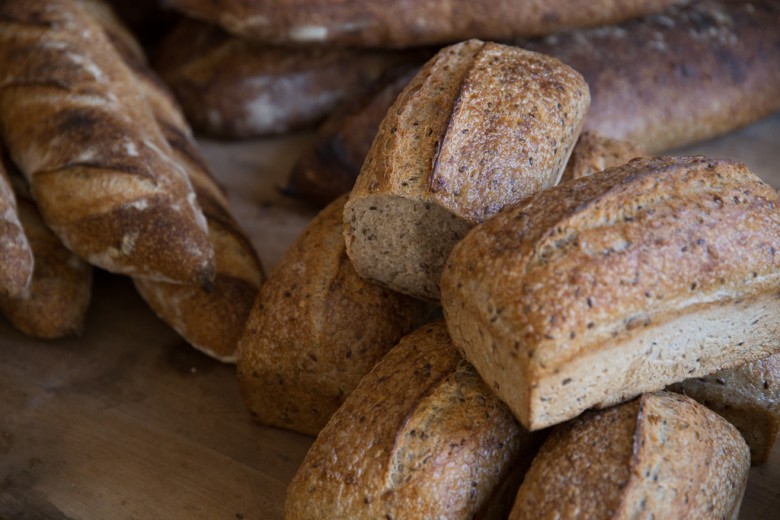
481 126
16 267
608 286
594 153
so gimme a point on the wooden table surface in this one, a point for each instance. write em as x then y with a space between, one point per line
128 422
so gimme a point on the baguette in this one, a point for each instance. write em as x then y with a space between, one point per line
594 153
395 23
16 268
620 283
211 321
231 88
660 456
55 302
481 126
99 168
420 437
670 80
316 329
748 397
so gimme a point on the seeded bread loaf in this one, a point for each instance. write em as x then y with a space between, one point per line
232 88
668 80
316 329
481 126
420 437
99 168
55 302
660 456
16 267
623 282
398 23
594 153
748 397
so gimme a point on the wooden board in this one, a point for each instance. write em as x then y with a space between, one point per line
128 422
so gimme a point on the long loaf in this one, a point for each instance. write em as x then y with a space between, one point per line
16 268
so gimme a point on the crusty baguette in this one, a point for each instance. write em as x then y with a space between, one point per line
330 164
594 153
619 283
100 170
16 257
668 80
316 329
232 88
660 456
420 437
748 397
396 23
55 302
210 320
481 126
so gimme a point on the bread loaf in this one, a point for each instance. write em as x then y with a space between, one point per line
210 320
420 437
99 168
689 74
316 329
660 456
594 153
481 126
397 23
748 397
620 283
55 302
231 88
16 267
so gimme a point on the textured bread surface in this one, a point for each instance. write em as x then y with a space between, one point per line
55 302
481 126
660 456
403 23
232 88
16 267
99 168
211 320
594 153
420 437
316 329
668 80
619 283
748 397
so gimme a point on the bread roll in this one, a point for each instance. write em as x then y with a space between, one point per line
316 329
616 284
231 88
420 437
689 74
398 23
210 320
16 267
55 302
748 397
594 153
481 126
660 456
100 170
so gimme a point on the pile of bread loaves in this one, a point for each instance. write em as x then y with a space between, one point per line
509 305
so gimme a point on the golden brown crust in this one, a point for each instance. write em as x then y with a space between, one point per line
100 170
668 80
748 397
16 267
481 126
231 88
660 456
401 23
55 302
211 320
594 153
316 329
587 273
420 437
